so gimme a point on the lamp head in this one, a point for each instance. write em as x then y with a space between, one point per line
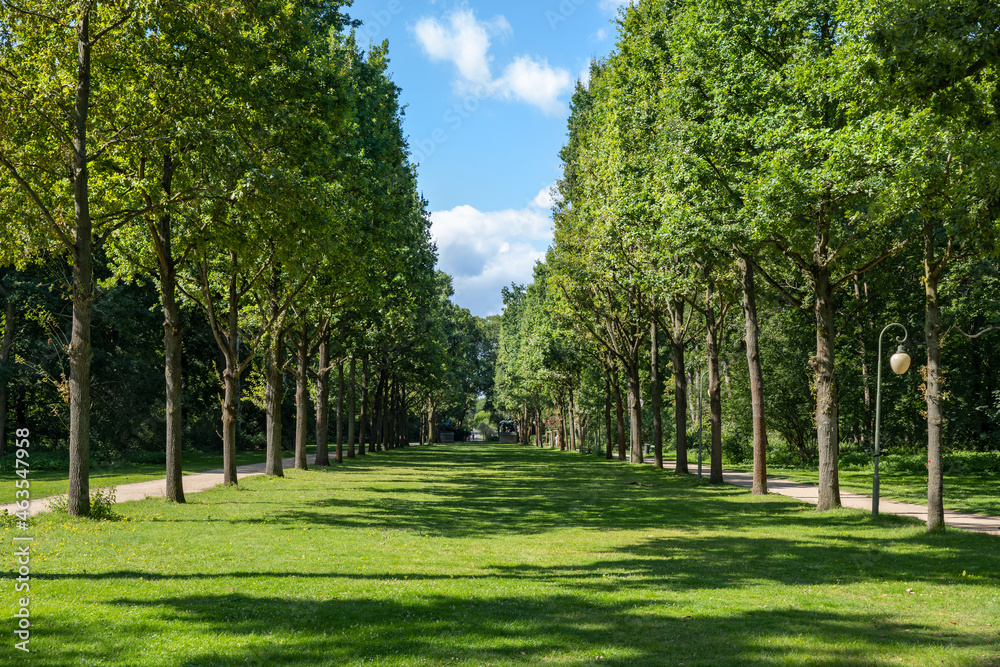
900 362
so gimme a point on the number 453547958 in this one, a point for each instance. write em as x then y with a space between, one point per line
21 468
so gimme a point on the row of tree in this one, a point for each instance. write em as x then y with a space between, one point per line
777 167
246 160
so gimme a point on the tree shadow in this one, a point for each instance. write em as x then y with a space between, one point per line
568 629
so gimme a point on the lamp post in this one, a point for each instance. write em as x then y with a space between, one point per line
899 362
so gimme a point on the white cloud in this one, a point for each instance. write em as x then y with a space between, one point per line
546 197
614 4
536 83
464 40
484 251
600 35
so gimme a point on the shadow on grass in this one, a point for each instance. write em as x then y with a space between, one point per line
511 630
636 603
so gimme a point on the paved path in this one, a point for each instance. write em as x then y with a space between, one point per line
809 493
157 488
202 481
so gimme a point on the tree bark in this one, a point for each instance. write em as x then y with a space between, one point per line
654 392
713 330
752 340
680 387
302 398
230 382
538 427
562 426
867 329
272 399
828 440
620 414
635 407
404 435
80 352
323 400
573 446
162 234
352 391
9 323
608 447
932 395
339 457
363 429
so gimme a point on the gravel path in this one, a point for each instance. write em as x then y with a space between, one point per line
809 493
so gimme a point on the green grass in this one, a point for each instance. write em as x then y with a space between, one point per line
53 482
977 494
501 555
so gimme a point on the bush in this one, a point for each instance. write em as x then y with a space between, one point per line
102 503
140 458
58 460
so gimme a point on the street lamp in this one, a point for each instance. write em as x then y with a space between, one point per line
899 362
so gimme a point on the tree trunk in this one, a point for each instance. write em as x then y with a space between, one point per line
229 406
654 392
352 391
230 382
828 441
680 387
608 447
80 352
404 434
635 407
272 399
538 427
301 398
572 422
323 400
10 315
932 395
383 412
562 426
339 457
712 328
756 378
163 241
363 429
867 328
620 414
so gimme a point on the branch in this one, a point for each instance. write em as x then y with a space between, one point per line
38 201
955 327
773 283
44 17
875 262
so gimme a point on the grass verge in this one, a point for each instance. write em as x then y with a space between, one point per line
501 555
46 483
976 494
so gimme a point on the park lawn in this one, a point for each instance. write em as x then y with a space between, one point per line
501 555
46 483
977 494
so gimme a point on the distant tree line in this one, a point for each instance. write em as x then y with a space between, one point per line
751 192
212 236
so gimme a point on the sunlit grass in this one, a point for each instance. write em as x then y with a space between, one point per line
978 494
46 483
502 555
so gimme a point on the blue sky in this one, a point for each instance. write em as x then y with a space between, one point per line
486 87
